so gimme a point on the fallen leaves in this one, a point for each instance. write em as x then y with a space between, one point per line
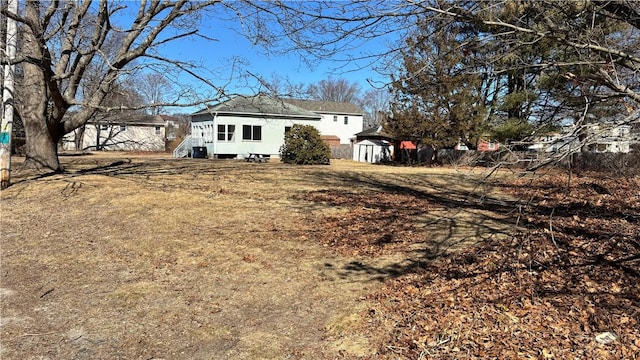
556 288
372 225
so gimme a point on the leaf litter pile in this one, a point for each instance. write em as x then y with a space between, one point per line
564 284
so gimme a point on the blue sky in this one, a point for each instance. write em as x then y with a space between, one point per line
230 55
217 56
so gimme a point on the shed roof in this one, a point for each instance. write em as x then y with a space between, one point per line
374 132
374 142
128 119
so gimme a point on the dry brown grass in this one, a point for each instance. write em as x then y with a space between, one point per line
139 257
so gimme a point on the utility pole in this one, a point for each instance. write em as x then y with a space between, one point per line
6 125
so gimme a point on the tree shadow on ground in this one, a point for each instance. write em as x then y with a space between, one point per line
580 245
423 217
451 216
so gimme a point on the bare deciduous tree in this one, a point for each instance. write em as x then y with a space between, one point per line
375 103
155 88
57 53
339 90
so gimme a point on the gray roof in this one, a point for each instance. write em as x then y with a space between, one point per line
327 107
262 105
377 131
128 119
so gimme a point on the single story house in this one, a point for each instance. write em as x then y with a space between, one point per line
120 132
257 124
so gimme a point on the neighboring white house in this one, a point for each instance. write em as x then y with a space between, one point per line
607 138
257 124
130 132
595 138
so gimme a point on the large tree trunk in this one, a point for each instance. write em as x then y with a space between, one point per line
41 148
41 143
40 130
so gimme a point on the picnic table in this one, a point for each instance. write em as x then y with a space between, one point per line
255 157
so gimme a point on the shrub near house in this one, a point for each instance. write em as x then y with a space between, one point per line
304 146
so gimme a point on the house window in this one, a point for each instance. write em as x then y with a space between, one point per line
123 127
346 120
252 132
226 132
287 129
158 130
335 118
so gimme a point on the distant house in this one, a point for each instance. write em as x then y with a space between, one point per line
599 138
257 124
123 132
608 138
543 142
341 119
172 125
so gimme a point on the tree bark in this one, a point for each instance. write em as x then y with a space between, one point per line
40 130
79 138
41 149
41 146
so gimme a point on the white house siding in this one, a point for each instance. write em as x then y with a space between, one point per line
204 132
327 126
327 110
133 137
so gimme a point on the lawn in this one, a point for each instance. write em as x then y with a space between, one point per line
144 257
